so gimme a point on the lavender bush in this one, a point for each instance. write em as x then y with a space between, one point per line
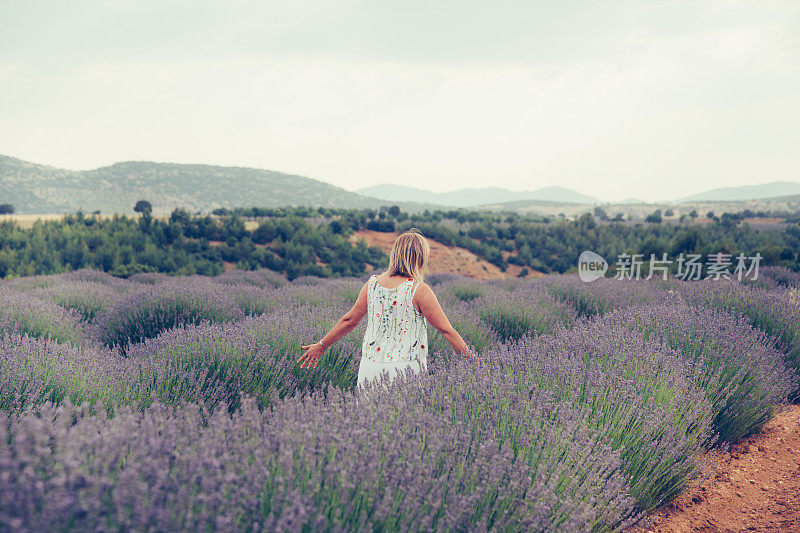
153 309
637 391
95 276
380 461
528 310
31 282
253 301
590 402
602 295
438 278
22 312
84 274
88 298
213 363
35 371
775 312
346 288
781 276
543 432
461 289
744 377
149 278
262 278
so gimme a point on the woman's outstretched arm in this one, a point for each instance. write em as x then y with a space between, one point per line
346 324
428 304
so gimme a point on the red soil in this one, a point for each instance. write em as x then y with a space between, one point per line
753 487
450 259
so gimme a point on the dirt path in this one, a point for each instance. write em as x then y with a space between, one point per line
754 487
446 258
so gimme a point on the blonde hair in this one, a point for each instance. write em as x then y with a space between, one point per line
409 255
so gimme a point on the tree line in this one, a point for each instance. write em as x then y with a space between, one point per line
299 241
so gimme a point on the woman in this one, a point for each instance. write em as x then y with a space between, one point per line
398 303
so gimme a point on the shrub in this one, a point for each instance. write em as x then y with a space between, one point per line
590 403
152 310
375 462
744 377
602 295
462 290
438 278
30 282
637 391
525 311
781 276
36 317
149 278
88 298
214 363
35 371
262 278
94 276
775 312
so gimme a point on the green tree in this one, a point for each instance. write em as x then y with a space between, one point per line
654 217
142 206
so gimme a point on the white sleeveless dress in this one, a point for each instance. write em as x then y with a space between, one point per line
397 334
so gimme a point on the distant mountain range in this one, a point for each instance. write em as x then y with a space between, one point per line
475 197
33 188
495 196
746 192
39 189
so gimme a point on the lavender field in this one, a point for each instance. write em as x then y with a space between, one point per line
175 404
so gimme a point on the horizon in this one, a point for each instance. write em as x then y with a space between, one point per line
616 101
600 200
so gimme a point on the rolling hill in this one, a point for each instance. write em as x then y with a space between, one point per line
746 192
36 189
476 197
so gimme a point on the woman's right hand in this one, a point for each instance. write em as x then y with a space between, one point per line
468 355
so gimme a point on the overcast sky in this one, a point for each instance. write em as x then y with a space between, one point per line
650 99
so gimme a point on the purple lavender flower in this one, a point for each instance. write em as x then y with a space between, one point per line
153 309
744 377
775 312
22 312
596 407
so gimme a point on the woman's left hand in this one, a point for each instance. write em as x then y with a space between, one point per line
311 355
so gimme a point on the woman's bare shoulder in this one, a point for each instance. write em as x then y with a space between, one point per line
424 290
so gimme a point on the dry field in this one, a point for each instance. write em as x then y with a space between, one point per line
26 221
449 259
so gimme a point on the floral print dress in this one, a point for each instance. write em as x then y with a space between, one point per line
396 335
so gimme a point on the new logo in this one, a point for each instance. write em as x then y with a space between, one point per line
591 266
